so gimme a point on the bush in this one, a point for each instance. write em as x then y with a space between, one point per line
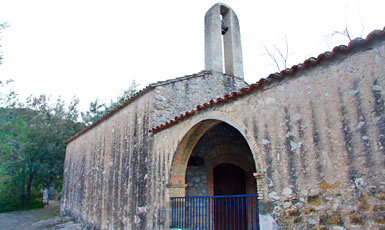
36 200
32 204
8 205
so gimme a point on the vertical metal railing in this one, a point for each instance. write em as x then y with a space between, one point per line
235 212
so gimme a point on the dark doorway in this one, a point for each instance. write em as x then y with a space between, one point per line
229 179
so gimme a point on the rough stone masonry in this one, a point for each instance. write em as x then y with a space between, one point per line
311 141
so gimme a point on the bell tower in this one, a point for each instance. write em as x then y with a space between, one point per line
223 41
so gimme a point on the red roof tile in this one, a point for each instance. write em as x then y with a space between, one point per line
342 49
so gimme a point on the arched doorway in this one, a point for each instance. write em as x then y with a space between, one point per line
221 143
217 166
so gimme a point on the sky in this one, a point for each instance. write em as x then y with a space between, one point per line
94 48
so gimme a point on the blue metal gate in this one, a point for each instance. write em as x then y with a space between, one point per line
235 212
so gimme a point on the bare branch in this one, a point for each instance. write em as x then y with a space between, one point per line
347 33
280 60
344 33
287 51
272 57
362 31
283 57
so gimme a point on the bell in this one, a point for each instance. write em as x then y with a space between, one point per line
224 28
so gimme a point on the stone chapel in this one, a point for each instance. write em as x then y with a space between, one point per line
300 149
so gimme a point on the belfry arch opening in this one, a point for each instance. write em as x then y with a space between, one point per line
223 48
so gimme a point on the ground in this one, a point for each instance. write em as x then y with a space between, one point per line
43 218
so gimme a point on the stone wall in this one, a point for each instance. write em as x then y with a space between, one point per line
196 181
113 178
106 170
174 97
317 137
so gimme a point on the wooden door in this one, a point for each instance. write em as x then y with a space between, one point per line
229 213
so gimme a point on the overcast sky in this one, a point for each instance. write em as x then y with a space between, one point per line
94 48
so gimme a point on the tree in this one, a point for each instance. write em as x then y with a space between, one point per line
8 97
32 142
32 146
98 109
11 95
13 145
3 26
346 33
279 56
127 94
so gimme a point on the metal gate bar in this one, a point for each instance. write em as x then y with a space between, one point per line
234 212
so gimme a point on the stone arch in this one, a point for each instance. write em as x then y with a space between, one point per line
192 135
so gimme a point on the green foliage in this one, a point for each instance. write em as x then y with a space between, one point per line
127 94
2 27
8 97
32 148
7 204
33 137
98 109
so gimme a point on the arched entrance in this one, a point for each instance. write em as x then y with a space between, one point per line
216 186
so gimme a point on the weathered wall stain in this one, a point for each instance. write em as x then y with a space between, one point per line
114 178
313 142
320 136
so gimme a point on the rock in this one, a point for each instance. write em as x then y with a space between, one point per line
142 209
287 191
47 224
313 220
377 88
267 222
67 226
336 204
287 205
294 145
274 196
265 142
337 228
314 192
359 182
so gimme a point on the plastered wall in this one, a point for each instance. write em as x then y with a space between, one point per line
113 178
317 138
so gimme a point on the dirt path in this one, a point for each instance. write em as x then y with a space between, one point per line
23 220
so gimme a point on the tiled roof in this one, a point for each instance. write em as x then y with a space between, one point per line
338 50
136 96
